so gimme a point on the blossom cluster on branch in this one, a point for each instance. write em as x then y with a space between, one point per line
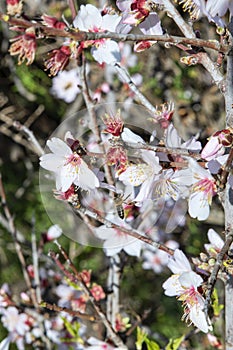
127 178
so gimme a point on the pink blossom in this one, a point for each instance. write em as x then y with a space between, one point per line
215 147
58 59
202 191
15 322
14 7
52 22
24 46
114 124
184 284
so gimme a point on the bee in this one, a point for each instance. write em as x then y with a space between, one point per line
228 264
119 200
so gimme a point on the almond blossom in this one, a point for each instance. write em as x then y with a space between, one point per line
216 243
96 344
25 46
202 191
68 167
116 240
90 19
142 174
184 284
215 147
65 85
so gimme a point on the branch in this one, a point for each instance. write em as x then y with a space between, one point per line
85 36
131 232
76 277
18 247
74 313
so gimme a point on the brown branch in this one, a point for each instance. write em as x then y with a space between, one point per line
74 313
84 36
131 232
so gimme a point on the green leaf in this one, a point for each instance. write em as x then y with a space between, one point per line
152 345
142 338
216 306
174 343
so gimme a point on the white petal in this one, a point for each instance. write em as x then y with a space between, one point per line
109 22
108 52
199 206
133 248
59 147
178 263
88 17
189 279
172 286
197 316
215 239
128 136
151 25
52 162
67 176
86 179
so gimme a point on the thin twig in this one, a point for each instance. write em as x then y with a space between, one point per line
218 264
75 276
18 247
31 137
74 313
35 263
123 73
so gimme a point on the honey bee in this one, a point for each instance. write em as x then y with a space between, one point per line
228 264
119 200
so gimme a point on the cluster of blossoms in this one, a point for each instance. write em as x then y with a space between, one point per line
26 326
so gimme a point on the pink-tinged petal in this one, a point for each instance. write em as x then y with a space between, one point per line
189 279
198 318
59 147
178 263
52 162
198 171
107 53
212 149
199 206
124 5
172 286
